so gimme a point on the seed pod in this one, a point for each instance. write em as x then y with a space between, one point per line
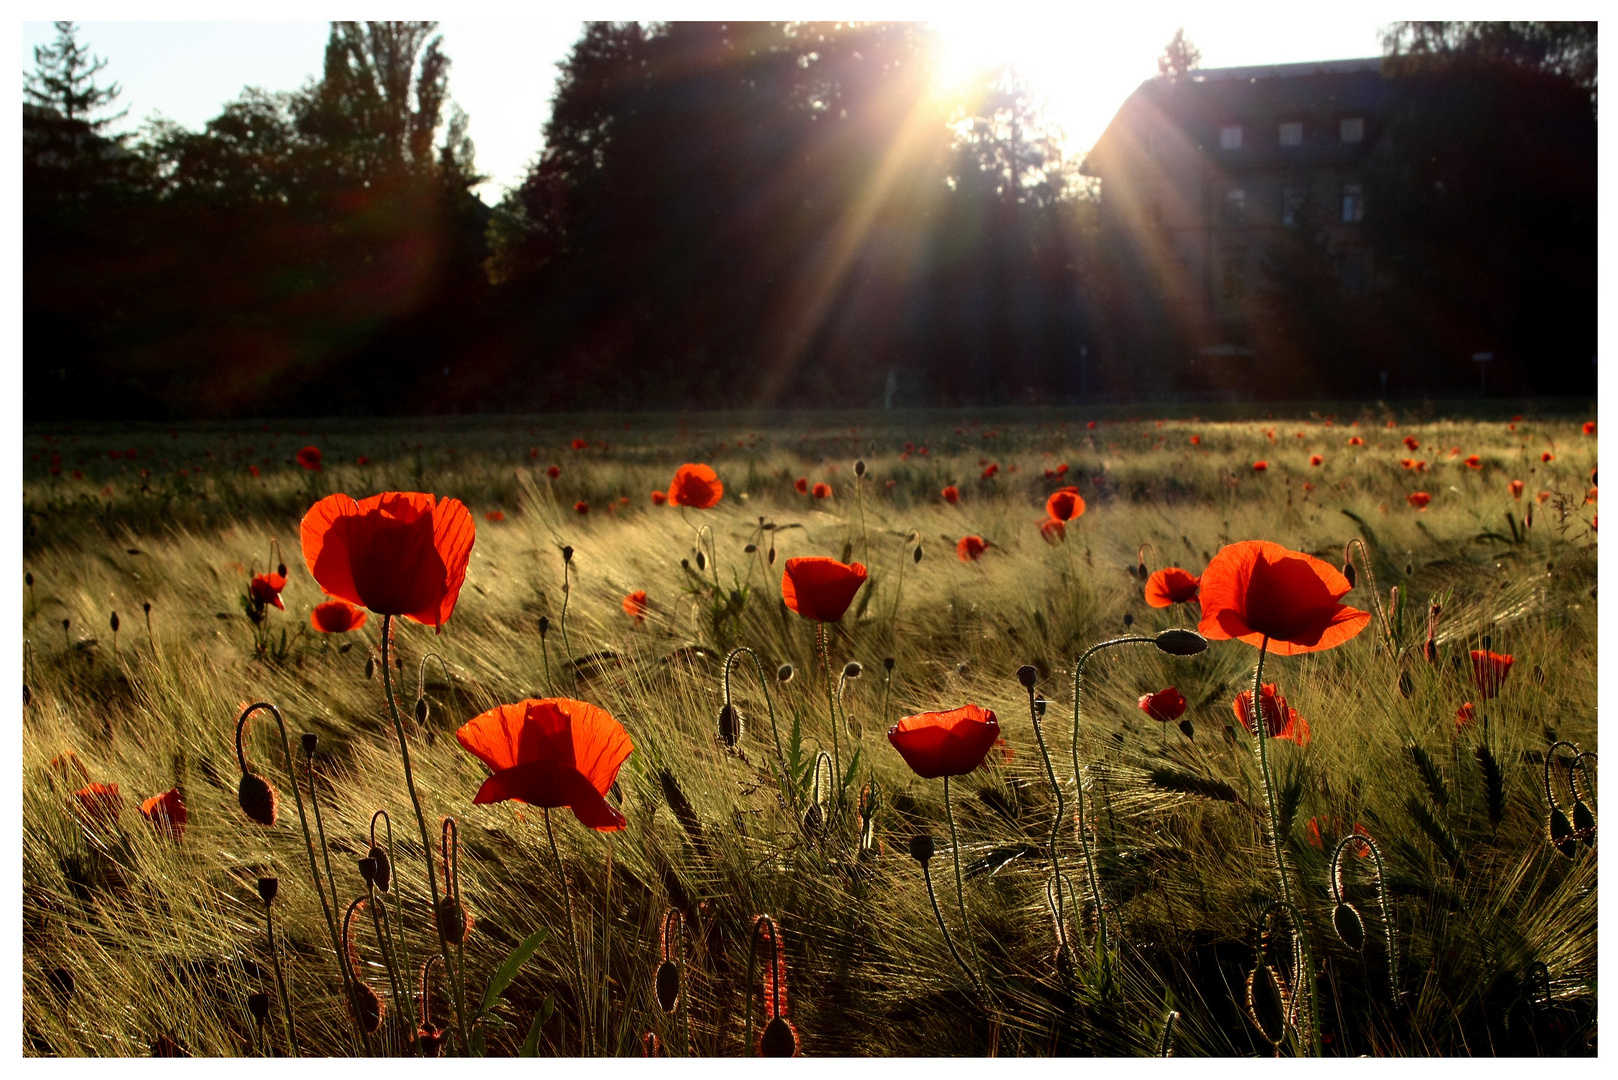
567 554
772 554
1179 641
887 663
730 726
1027 676
750 549
852 670
258 1004
368 871
257 798
859 467
309 740
783 673
544 627
1345 919
921 847
780 1039
667 984
384 870
267 888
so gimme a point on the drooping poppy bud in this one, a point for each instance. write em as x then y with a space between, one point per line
783 674
730 725
257 798
1178 641
384 869
268 887
667 985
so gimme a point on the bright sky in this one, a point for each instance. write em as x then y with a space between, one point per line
1083 60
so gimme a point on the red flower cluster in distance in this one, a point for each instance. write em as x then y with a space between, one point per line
821 588
397 553
552 752
1419 499
945 743
951 494
1257 591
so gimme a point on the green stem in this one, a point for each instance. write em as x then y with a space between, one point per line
1056 822
280 983
572 935
938 914
320 830
955 857
421 822
775 731
384 938
831 709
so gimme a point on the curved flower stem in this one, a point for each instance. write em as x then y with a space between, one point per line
449 847
572 935
567 593
400 948
1384 901
927 878
384 938
280 983
1094 882
351 961
1058 910
326 907
320 830
775 731
831 709
421 821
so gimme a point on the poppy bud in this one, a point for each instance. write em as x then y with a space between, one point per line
28 579
61 980
772 555
267 888
1561 831
1178 641
281 569
1350 573
384 871
368 870
667 984
257 798
915 556
921 848
454 924
1349 926
1129 619
730 725
859 467
651 1046
147 607
367 1007
309 740
784 673
567 554
27 695
431 1040
1407 685
852 670
780 1040
421 710
848 551
544 627
258 1004
65 624
1027 676
115 622
702 561
814 819
887 663
370 667
750 549
1186 729
1040 704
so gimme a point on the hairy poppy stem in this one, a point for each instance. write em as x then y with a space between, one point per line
572 935
831 709
399 949
955 857
326 908
351 961
927 879
421 821
1056 822
1092 880
780 754
280 983
450 848
384 936
320 828
1384 902
567 566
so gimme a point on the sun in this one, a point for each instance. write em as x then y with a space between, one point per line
969 46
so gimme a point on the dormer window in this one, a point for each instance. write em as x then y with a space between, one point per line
1351 129
1291 133
1230 137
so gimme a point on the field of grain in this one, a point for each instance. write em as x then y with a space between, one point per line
142 646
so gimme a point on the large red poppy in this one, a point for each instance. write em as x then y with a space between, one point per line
266 589
1064 505
696 486
1165 705
970 548
397 553
167 814
337 617
1281 721
1171 585
820 588
551 752
1257 589
945 743
1489 671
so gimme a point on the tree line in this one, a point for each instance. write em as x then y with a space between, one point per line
721 215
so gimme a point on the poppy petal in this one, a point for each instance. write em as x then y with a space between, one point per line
453 534
324 532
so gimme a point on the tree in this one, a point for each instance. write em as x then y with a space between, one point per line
64 81
1564 49
1179 57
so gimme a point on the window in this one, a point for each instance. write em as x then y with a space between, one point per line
1291 203
1235 207
1351 129
1353 204
1291 133
1230 137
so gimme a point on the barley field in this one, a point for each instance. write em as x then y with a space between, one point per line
1410 871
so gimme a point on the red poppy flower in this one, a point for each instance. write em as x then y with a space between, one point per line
696 486
1489 671
1091 425
309 458
1411 443
1260 466
1589 427
1196 440
945 743
822 491
533 452
951 494
100 801
1064 504
658 498
495 515
801 484
991 470
337 617
1474 462
1361 850
397 553
1061 470
820 588
252 470
1547 456
970 548
1053 531
167 814
554 471
1516 487
1165 705
1466 715
1355 440
551 752
1418 499
1256 588
266 589
1280 720
581 507
1315 459
635 604
1171 585
579 444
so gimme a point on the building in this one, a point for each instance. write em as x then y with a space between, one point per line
1205 180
